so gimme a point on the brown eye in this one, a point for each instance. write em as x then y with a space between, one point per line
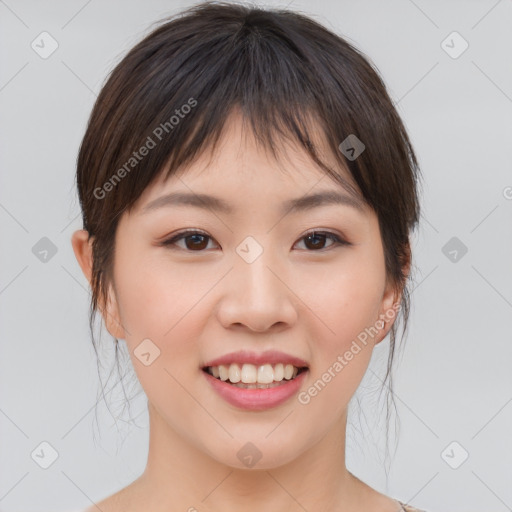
315 240
195 241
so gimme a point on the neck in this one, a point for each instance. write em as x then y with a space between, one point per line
181 476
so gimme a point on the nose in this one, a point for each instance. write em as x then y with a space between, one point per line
257 296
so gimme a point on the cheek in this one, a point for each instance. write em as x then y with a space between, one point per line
347 305
161 302
345 297
156 297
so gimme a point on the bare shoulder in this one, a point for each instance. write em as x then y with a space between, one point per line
128 499
118 502
385 503
371 499
410 508
107 505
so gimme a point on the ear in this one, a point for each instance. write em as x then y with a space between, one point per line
388 312
391 301
82 247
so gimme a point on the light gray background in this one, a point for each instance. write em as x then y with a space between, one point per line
454 382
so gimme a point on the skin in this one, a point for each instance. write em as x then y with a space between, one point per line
307 300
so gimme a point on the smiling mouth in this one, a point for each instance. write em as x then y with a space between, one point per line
249 376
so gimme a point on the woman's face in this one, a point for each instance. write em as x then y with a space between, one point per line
251 280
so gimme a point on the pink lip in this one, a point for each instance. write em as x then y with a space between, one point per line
256 399
270 357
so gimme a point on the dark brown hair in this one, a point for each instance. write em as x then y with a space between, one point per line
288 75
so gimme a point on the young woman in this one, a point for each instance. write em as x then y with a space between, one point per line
248 192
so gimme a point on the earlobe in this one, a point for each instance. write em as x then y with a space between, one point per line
388 312
112 317
391 301
82 247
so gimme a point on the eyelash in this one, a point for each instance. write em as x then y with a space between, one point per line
189 232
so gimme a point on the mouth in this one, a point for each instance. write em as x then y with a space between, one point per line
250 376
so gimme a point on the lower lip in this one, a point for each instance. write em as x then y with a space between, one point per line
256 399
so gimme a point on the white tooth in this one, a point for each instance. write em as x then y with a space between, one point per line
265 374
249 373
234 373
288 371
223 372
278 372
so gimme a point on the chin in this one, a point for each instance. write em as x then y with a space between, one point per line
260 454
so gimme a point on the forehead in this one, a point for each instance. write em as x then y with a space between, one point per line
242 165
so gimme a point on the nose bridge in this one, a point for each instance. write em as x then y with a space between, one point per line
252 267
258 296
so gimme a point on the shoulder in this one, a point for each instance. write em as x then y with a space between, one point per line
104 506
409 508
122 500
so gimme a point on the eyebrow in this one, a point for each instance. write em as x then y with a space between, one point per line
207 202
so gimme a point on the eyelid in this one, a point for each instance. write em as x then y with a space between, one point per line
182 234
338 239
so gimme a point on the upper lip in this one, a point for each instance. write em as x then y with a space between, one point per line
257 358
